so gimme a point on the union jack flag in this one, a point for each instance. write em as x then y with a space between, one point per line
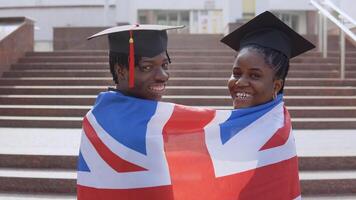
141 149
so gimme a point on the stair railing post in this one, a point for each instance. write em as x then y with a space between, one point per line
342 52
320 32
325 36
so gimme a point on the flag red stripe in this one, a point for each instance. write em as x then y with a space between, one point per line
282 134
191 169
114 161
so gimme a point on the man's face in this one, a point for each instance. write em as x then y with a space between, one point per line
151 76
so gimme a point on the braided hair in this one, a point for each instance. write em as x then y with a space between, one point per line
278 61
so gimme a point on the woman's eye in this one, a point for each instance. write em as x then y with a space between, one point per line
255 76
236 75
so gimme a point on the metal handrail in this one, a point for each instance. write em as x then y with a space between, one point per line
324 15
333 19
342 13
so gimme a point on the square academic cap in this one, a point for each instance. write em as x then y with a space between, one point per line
143 40
268 31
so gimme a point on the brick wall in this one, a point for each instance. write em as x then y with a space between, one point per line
75 38
17 43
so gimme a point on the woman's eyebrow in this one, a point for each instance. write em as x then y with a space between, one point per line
255 69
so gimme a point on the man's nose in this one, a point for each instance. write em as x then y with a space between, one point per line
161 74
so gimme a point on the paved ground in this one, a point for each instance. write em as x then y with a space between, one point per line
50 197
66 142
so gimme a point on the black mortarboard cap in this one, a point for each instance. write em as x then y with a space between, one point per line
149 40
144 40
268 31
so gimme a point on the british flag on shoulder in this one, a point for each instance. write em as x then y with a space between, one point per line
140 149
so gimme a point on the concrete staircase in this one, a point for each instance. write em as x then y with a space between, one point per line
55 90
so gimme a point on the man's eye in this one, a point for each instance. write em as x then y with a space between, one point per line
146 68
165 66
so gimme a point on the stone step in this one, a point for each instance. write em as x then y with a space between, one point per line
64 181
172 52
173 81
79 111
324 123
328 182
38 181
177 90
200 100
64 81
35 196
82 66
208 44
76 122
40 122
69 162
173 73
57 161
175 59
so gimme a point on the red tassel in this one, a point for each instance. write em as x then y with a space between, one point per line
131 62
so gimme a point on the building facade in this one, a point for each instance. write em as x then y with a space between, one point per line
199 16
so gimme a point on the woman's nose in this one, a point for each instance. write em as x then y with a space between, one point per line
241 81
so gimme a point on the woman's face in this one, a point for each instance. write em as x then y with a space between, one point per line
252 80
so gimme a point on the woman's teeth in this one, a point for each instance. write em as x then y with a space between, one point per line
243 95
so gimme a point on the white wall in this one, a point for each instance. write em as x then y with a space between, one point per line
46 19
52 13
59 16
232 9
263 5
124 11
58 13
349 7
27 3
173 4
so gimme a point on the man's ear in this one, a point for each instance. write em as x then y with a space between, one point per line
277 85
121 72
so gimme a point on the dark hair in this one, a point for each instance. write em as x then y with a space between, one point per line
276 59
117 60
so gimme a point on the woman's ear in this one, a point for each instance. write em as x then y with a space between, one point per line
277 85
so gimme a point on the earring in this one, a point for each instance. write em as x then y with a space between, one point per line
274 95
